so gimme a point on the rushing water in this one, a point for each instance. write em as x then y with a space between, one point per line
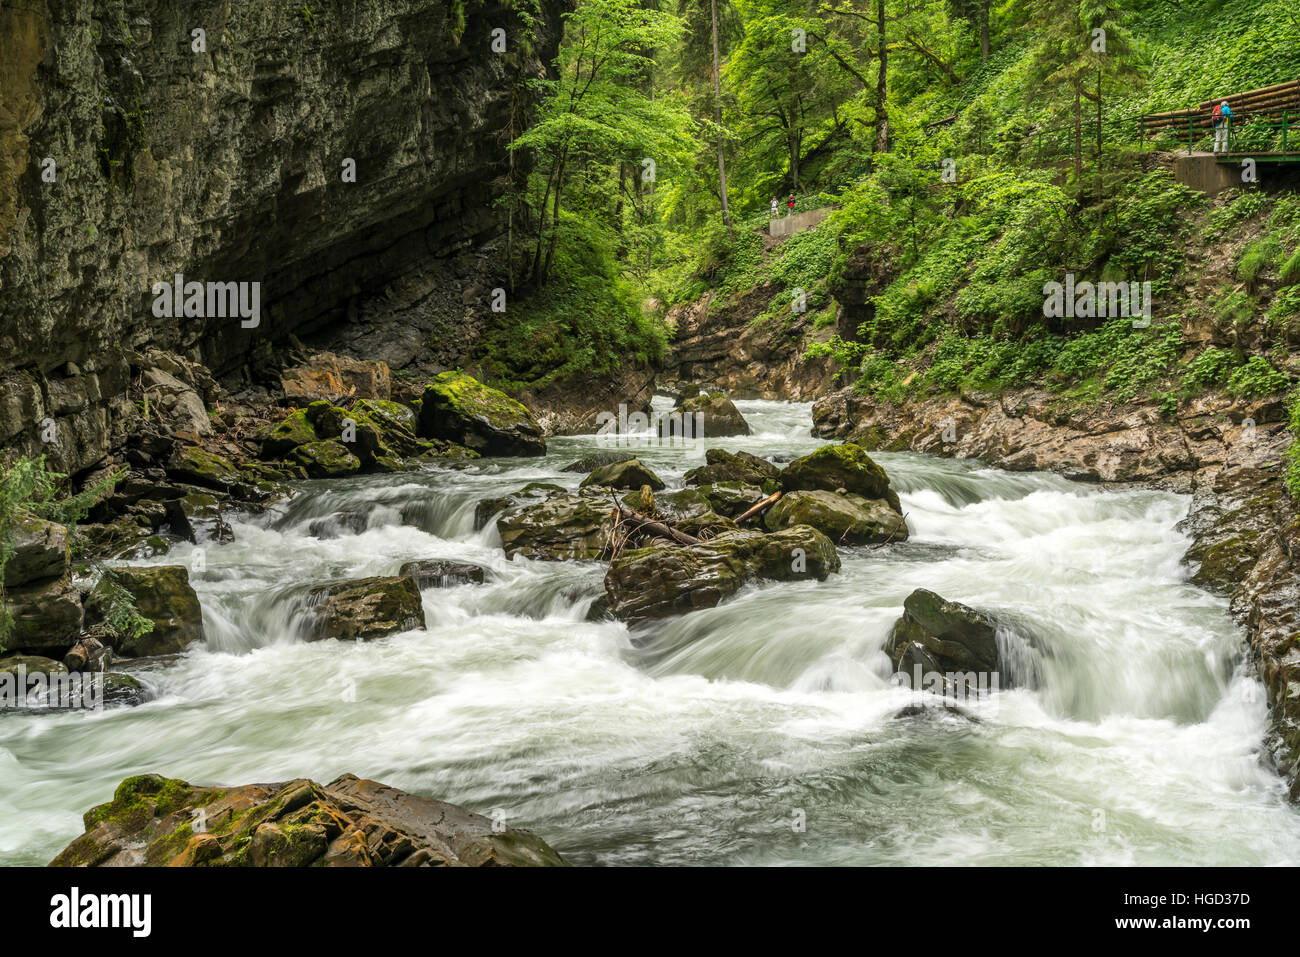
764 731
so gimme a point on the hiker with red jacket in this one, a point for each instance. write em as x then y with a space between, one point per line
790 205
1222 118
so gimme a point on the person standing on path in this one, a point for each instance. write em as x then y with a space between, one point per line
774 207
1222 117
790 205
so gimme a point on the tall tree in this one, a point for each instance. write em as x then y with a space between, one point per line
717 116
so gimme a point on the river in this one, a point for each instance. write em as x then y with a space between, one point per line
763 731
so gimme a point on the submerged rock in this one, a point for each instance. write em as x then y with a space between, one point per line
628 474
162 594
439 573
845 519
668 579
460 409
365 609
350 822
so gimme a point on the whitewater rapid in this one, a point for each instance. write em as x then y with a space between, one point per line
763 731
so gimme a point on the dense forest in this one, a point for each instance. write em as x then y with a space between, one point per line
975 149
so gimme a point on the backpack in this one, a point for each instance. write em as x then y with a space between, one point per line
1217 115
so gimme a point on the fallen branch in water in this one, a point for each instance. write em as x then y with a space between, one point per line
759 507
645 524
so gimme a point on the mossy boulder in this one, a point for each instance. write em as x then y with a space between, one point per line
723 466
350 822
629 474
161 594
459 408
835 467
199 517
197 466
532 493
292 431
687 509
563 527
325 459
365 609
844 519
664 580
717 417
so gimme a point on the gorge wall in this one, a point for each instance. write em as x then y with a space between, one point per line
224 161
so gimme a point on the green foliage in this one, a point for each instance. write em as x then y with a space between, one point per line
1256 377
27 486
122 618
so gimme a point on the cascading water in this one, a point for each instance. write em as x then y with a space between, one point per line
766 730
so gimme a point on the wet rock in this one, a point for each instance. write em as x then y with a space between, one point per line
292 431
942 636
365 609
460 409
629 474
161 594
197 466
123 690
350 822
722 466
40 551
436 573
561 528
331 377
197 517
595 460
688 510
533 492
731 499
31 664
327 459
839 468
844 519
338 525
663 580
47 617
718 416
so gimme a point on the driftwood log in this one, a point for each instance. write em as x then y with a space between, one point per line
759 507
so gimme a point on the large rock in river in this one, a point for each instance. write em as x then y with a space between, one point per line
833 468
459 408
161 594
942 636
364 609
350 822
629 474
723 466
845 519
663 580
564 527
715 414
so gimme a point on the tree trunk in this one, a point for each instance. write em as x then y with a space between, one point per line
984 29
717 118
882 82
1078 129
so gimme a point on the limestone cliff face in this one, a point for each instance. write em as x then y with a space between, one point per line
224 161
